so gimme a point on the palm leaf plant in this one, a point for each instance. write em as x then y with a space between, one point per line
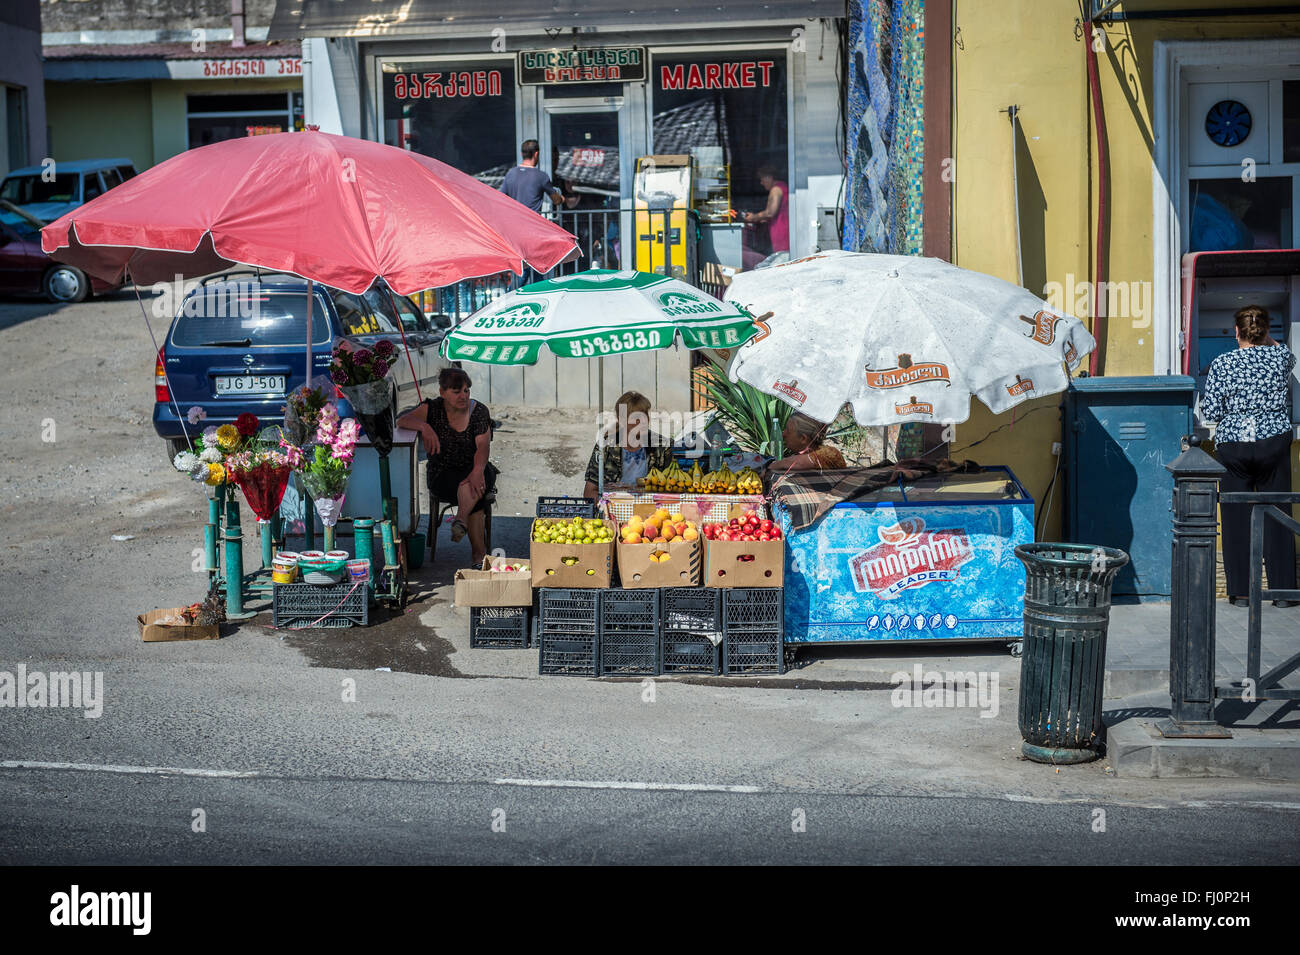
754 419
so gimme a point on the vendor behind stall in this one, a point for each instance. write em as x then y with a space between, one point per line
631 449
806 438
457 435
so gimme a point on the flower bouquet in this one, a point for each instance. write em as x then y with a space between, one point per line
206 462
360 374
302 410
257 467
325 469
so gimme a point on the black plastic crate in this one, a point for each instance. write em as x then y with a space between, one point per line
568 654
629 611
624 653
682 652
302 606
566 507
751 652
569 611
499 628
696 609
746 610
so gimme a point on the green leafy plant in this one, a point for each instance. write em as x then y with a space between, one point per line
754 419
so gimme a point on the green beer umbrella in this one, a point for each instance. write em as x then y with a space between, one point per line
593 314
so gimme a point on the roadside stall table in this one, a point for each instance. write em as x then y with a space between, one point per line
932 559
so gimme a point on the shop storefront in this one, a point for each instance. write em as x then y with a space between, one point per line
152 101
760 96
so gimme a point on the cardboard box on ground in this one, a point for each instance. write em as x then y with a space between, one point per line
160 626
683 567
494 588
592 567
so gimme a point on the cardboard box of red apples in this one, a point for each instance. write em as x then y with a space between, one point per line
747 551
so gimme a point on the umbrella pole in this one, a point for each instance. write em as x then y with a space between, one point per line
308 522
600 460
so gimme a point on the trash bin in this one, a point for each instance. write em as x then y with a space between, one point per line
1067 613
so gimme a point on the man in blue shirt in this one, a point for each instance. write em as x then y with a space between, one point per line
528 184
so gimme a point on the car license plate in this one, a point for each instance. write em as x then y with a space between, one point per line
251 384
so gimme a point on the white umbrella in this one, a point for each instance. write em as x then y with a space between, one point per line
901 338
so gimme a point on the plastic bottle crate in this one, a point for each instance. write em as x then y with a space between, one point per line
753 652
629 611
760 609
499 628
695 609
569 611
683 652
565 507
624 653
297 605
568 654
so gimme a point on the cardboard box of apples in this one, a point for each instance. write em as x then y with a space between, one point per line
572 552
659 549
747 551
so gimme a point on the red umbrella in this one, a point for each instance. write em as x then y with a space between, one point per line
331 209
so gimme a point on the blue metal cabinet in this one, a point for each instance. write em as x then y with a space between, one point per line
1119 434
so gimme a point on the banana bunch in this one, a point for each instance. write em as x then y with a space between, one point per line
695 481
721 481
749 482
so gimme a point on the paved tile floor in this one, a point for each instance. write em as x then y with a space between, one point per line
1139 638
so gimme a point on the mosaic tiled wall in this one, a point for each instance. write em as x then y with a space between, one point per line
886 142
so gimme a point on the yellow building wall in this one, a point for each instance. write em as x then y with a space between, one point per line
1031 54
100 121
142 120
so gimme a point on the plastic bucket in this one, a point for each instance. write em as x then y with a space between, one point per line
359 570
415 545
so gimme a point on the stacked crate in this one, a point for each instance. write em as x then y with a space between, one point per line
629 632
568 632
692 622
753 628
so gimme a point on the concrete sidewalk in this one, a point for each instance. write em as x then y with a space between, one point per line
1137 648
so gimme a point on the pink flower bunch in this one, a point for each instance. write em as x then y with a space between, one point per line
345 441
327 425
292 454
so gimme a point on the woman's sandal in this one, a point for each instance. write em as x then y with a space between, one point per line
458 530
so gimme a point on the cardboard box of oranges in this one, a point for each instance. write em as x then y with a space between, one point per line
657 548
572 552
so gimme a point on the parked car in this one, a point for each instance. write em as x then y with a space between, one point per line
238 343
56 191
26 270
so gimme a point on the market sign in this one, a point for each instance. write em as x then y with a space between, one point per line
600 65
244 68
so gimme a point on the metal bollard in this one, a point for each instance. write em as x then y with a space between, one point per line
363 543
235 575
1192 604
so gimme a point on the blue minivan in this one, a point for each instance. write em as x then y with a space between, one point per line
49 193
238 344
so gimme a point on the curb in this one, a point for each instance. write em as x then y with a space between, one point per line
1137 751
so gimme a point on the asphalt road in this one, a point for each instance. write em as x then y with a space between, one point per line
61 817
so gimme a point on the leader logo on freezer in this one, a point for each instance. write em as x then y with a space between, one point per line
909 556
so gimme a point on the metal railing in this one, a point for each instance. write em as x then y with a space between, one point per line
1192 686
603 246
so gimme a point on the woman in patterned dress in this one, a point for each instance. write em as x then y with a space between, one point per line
1248 393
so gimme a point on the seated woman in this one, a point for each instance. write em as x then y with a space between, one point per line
631 450
457 435
804 438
